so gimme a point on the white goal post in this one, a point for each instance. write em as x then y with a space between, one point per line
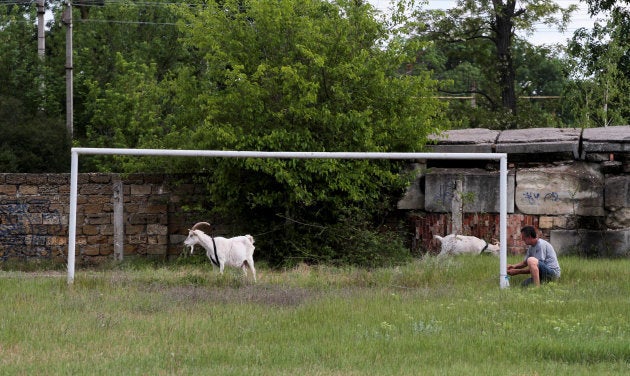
502 157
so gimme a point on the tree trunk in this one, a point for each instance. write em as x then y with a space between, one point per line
503 25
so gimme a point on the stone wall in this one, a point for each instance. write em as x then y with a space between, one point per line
572 184
34 210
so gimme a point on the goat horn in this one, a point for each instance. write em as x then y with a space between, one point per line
199 224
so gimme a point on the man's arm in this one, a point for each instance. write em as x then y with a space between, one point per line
520 265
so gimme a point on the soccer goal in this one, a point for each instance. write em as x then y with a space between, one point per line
501 157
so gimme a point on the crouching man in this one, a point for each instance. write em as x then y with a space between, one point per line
540 260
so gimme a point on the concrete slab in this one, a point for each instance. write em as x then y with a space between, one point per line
575 189
540 140
480 187
474 140
591 243
606 140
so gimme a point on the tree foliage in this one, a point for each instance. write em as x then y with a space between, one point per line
600 63
290 75
489 27
32 129
303 75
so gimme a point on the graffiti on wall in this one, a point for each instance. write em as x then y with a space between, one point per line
533 198
444 195
25 226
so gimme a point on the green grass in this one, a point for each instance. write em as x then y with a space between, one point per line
428 317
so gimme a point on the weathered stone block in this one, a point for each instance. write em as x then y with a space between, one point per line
106 249
90 230
28 190
98 219
36 179
137 239
141 190
97 239
90 250
618 218
33 219
575 189
95 189
51 219
48 189
57 241
473 140
540 140
15 178
155 229
413 198
560 222
617 191
9 190
155 209
99 178
592 243
545 222
58 179
134 229
480 190
606 140
92 208
107 229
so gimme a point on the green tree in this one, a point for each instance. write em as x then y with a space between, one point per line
598 95
32 128
112 40
492 24
471 91
600 62
301 75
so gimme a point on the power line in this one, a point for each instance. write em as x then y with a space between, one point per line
127 3
92 20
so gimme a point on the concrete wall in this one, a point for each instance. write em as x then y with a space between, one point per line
572 184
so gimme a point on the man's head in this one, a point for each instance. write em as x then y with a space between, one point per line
528 235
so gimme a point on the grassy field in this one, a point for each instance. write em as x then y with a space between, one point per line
428 317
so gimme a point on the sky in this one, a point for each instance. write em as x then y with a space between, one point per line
543 35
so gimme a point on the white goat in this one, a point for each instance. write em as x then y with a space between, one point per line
461 244
237 251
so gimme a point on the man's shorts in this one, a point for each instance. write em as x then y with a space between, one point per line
546 274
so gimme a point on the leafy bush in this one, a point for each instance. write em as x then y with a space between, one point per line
31 143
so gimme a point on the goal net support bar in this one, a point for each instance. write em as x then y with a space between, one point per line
501 157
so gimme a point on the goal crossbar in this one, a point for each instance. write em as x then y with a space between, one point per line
501 157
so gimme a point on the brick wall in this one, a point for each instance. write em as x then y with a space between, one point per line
481 225
34 212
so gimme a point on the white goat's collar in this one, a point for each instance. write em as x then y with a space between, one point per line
215 260
484 248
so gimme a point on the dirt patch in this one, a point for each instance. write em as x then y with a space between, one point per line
265 295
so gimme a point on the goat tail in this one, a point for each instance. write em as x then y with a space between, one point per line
250 238
438 237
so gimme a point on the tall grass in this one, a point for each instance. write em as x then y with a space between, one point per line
427 317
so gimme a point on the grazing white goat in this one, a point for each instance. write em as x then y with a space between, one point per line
461 244
237 251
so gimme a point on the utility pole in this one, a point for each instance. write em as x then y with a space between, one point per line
67 20
41 52
41 35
